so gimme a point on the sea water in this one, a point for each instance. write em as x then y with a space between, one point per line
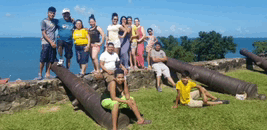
20 57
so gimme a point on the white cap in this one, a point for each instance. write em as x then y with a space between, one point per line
66 10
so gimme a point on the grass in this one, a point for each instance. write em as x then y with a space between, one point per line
239 115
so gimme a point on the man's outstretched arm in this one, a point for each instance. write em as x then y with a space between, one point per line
177 99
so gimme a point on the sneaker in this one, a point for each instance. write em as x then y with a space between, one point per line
60 62
80 75
159 89
40 77
75 102
225 101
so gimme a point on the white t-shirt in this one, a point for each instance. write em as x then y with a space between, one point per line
109 60
113 32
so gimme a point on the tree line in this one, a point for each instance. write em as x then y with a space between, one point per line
208 46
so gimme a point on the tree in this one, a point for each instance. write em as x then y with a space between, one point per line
260 47
173 49
212 45
208 46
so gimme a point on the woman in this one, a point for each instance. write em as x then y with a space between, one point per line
117 97
95 32
140 43
125 42
133 43
82 45
151 40
113 33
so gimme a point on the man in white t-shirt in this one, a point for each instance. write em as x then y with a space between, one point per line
109 61
158 57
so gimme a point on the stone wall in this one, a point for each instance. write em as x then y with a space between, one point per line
15 96
223 65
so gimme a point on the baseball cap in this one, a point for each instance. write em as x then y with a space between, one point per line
66 10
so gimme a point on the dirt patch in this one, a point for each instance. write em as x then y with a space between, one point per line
49 109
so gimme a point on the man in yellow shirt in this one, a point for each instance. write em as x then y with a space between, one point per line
188 98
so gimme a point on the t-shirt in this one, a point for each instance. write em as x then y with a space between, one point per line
80 37
157 54
134 29
110 60
185 90
113 32
65 29
50 28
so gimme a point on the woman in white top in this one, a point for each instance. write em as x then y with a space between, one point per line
113 33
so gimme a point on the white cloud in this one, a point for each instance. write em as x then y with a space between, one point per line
156 28
173 28
222 31
130 1
83 10
8 14
239 29
247 31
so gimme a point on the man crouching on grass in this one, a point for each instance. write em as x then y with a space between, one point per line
188 98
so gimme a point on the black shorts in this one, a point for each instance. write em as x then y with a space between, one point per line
81 55
67 46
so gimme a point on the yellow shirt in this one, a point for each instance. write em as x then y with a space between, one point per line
185 90
134 29
80 37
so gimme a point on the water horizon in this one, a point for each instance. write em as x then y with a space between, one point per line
20 56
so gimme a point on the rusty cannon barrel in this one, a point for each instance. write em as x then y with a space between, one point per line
256 59
215 80
89 98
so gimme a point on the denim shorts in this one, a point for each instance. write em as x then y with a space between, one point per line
81 56
48 54
67 46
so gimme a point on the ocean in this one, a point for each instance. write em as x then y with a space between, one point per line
19 57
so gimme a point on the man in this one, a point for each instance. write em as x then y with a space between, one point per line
158 57
188 98
65 29
48 53
109 61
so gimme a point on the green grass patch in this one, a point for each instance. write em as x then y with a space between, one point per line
238 115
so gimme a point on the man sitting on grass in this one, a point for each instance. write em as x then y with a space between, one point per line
188 98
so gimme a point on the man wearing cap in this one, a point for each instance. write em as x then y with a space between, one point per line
48 53
64 39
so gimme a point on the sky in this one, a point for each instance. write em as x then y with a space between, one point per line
237 18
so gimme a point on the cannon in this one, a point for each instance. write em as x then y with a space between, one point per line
256 59
88 98
215 80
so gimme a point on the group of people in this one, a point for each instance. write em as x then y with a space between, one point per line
128 40
124 49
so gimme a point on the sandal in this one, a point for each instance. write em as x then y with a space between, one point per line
145 122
